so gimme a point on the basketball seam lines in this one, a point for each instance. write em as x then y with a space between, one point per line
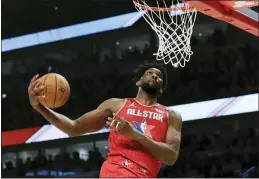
56 91
65 99
46 90
68 91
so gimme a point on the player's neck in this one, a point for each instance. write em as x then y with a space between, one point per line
146 99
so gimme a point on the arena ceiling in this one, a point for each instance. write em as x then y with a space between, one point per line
26 16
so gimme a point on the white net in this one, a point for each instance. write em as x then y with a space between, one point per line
174 27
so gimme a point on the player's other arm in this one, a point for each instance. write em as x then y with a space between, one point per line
167 152
89 122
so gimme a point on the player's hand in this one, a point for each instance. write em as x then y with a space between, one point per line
121 126
34 90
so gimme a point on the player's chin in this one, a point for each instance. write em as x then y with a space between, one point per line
156 89
155 85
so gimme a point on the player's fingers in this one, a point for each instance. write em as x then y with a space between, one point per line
42 87
110 119
33 84
30 86
113 123
37 90
117 125
118 117
115 115
108 123
34 78
38 84
34 91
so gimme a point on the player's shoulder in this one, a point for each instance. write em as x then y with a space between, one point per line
115 101
112 104
174 115
161 106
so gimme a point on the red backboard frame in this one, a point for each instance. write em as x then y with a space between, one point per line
236 13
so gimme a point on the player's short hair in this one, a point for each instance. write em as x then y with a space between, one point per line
140 70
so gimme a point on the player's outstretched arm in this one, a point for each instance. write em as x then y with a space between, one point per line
89 122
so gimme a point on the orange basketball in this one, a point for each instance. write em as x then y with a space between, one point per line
56 90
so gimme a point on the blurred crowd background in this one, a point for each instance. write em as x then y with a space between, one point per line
101 66
213 155
216 70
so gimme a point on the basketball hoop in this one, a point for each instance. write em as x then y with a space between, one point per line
174 27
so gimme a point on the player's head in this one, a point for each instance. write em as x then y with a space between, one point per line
151 78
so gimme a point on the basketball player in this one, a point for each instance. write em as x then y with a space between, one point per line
143 133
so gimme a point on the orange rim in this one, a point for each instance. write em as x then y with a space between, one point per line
165 9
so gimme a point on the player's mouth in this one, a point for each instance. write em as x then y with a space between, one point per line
153 81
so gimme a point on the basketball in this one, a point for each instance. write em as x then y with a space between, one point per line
56 90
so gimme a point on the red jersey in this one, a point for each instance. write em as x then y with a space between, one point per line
151 121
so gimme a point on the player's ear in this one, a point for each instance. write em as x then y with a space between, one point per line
139 82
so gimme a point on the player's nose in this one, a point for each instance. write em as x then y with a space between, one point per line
154 76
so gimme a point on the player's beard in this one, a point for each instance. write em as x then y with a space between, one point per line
152 90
